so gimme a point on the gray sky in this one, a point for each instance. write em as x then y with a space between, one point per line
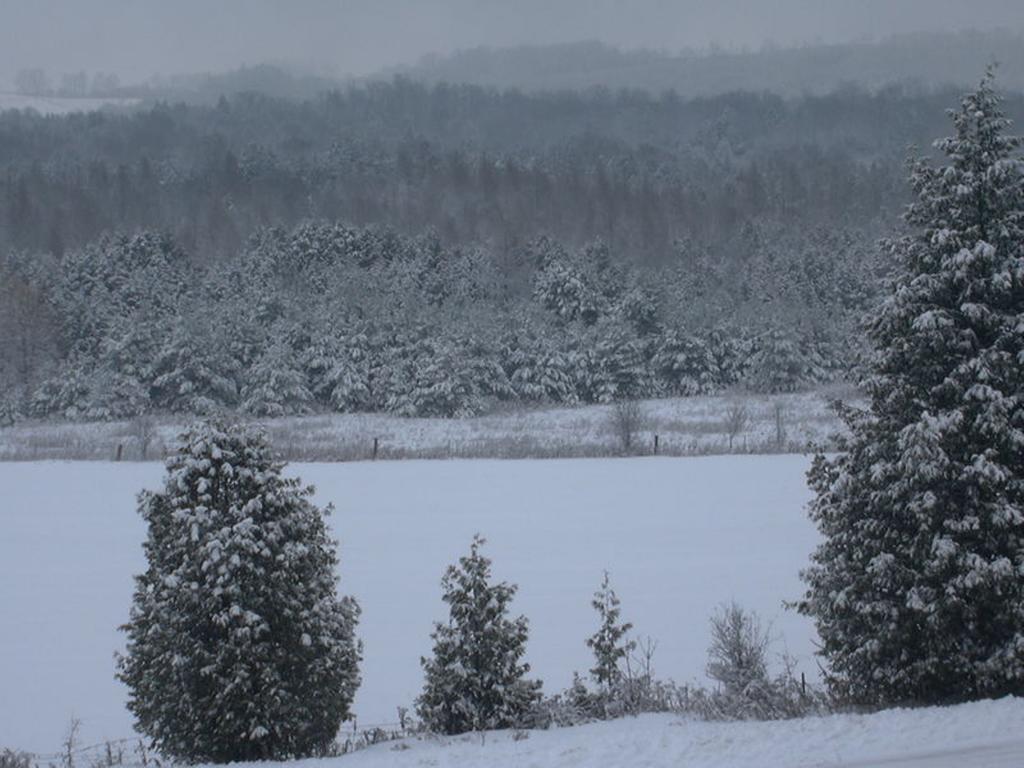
137 38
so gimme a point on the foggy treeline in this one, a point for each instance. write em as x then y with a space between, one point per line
930 59
638 170
433 249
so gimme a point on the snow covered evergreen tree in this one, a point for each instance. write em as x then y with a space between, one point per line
683 364
781 361
918 587
537 369
561 286
193 373
9 413
476 678
609 643
238 646
275 384
348 378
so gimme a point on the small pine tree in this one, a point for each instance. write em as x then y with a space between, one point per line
8 411
476 679
781 363
916 589
609 643
238 646
537 370
684 365
738 655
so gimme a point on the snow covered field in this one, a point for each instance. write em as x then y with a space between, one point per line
981 735
685 426
679 536
54 105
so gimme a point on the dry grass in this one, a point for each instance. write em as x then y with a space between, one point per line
694 426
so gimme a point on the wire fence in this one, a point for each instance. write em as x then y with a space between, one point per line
136 752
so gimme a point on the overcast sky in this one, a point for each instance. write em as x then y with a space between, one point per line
138 38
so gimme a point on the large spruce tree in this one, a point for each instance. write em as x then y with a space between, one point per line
476 679
238 646
918 587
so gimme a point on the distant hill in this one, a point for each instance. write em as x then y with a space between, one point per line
929 59
271 79
57 105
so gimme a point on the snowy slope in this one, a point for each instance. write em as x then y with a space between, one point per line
981 735
678 535
54 105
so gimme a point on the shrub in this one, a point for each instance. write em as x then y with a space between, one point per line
10 758
738 662
737 417
238 647
627 420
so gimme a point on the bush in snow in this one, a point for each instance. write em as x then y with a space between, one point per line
238 646
574 706
736 420
627 419
623 670
10 758
917 588
738 655
738 662
476 679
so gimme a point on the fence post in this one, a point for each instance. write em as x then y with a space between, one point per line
120 448
375 446
655 445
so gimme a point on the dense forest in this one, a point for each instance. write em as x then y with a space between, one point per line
432 250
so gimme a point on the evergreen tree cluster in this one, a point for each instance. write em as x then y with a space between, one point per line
239 649
326 317
185 258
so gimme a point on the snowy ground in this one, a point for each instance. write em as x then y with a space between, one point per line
685 426
680 536
982 735
54 105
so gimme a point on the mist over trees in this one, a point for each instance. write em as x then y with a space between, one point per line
432 250
636 169
929 58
